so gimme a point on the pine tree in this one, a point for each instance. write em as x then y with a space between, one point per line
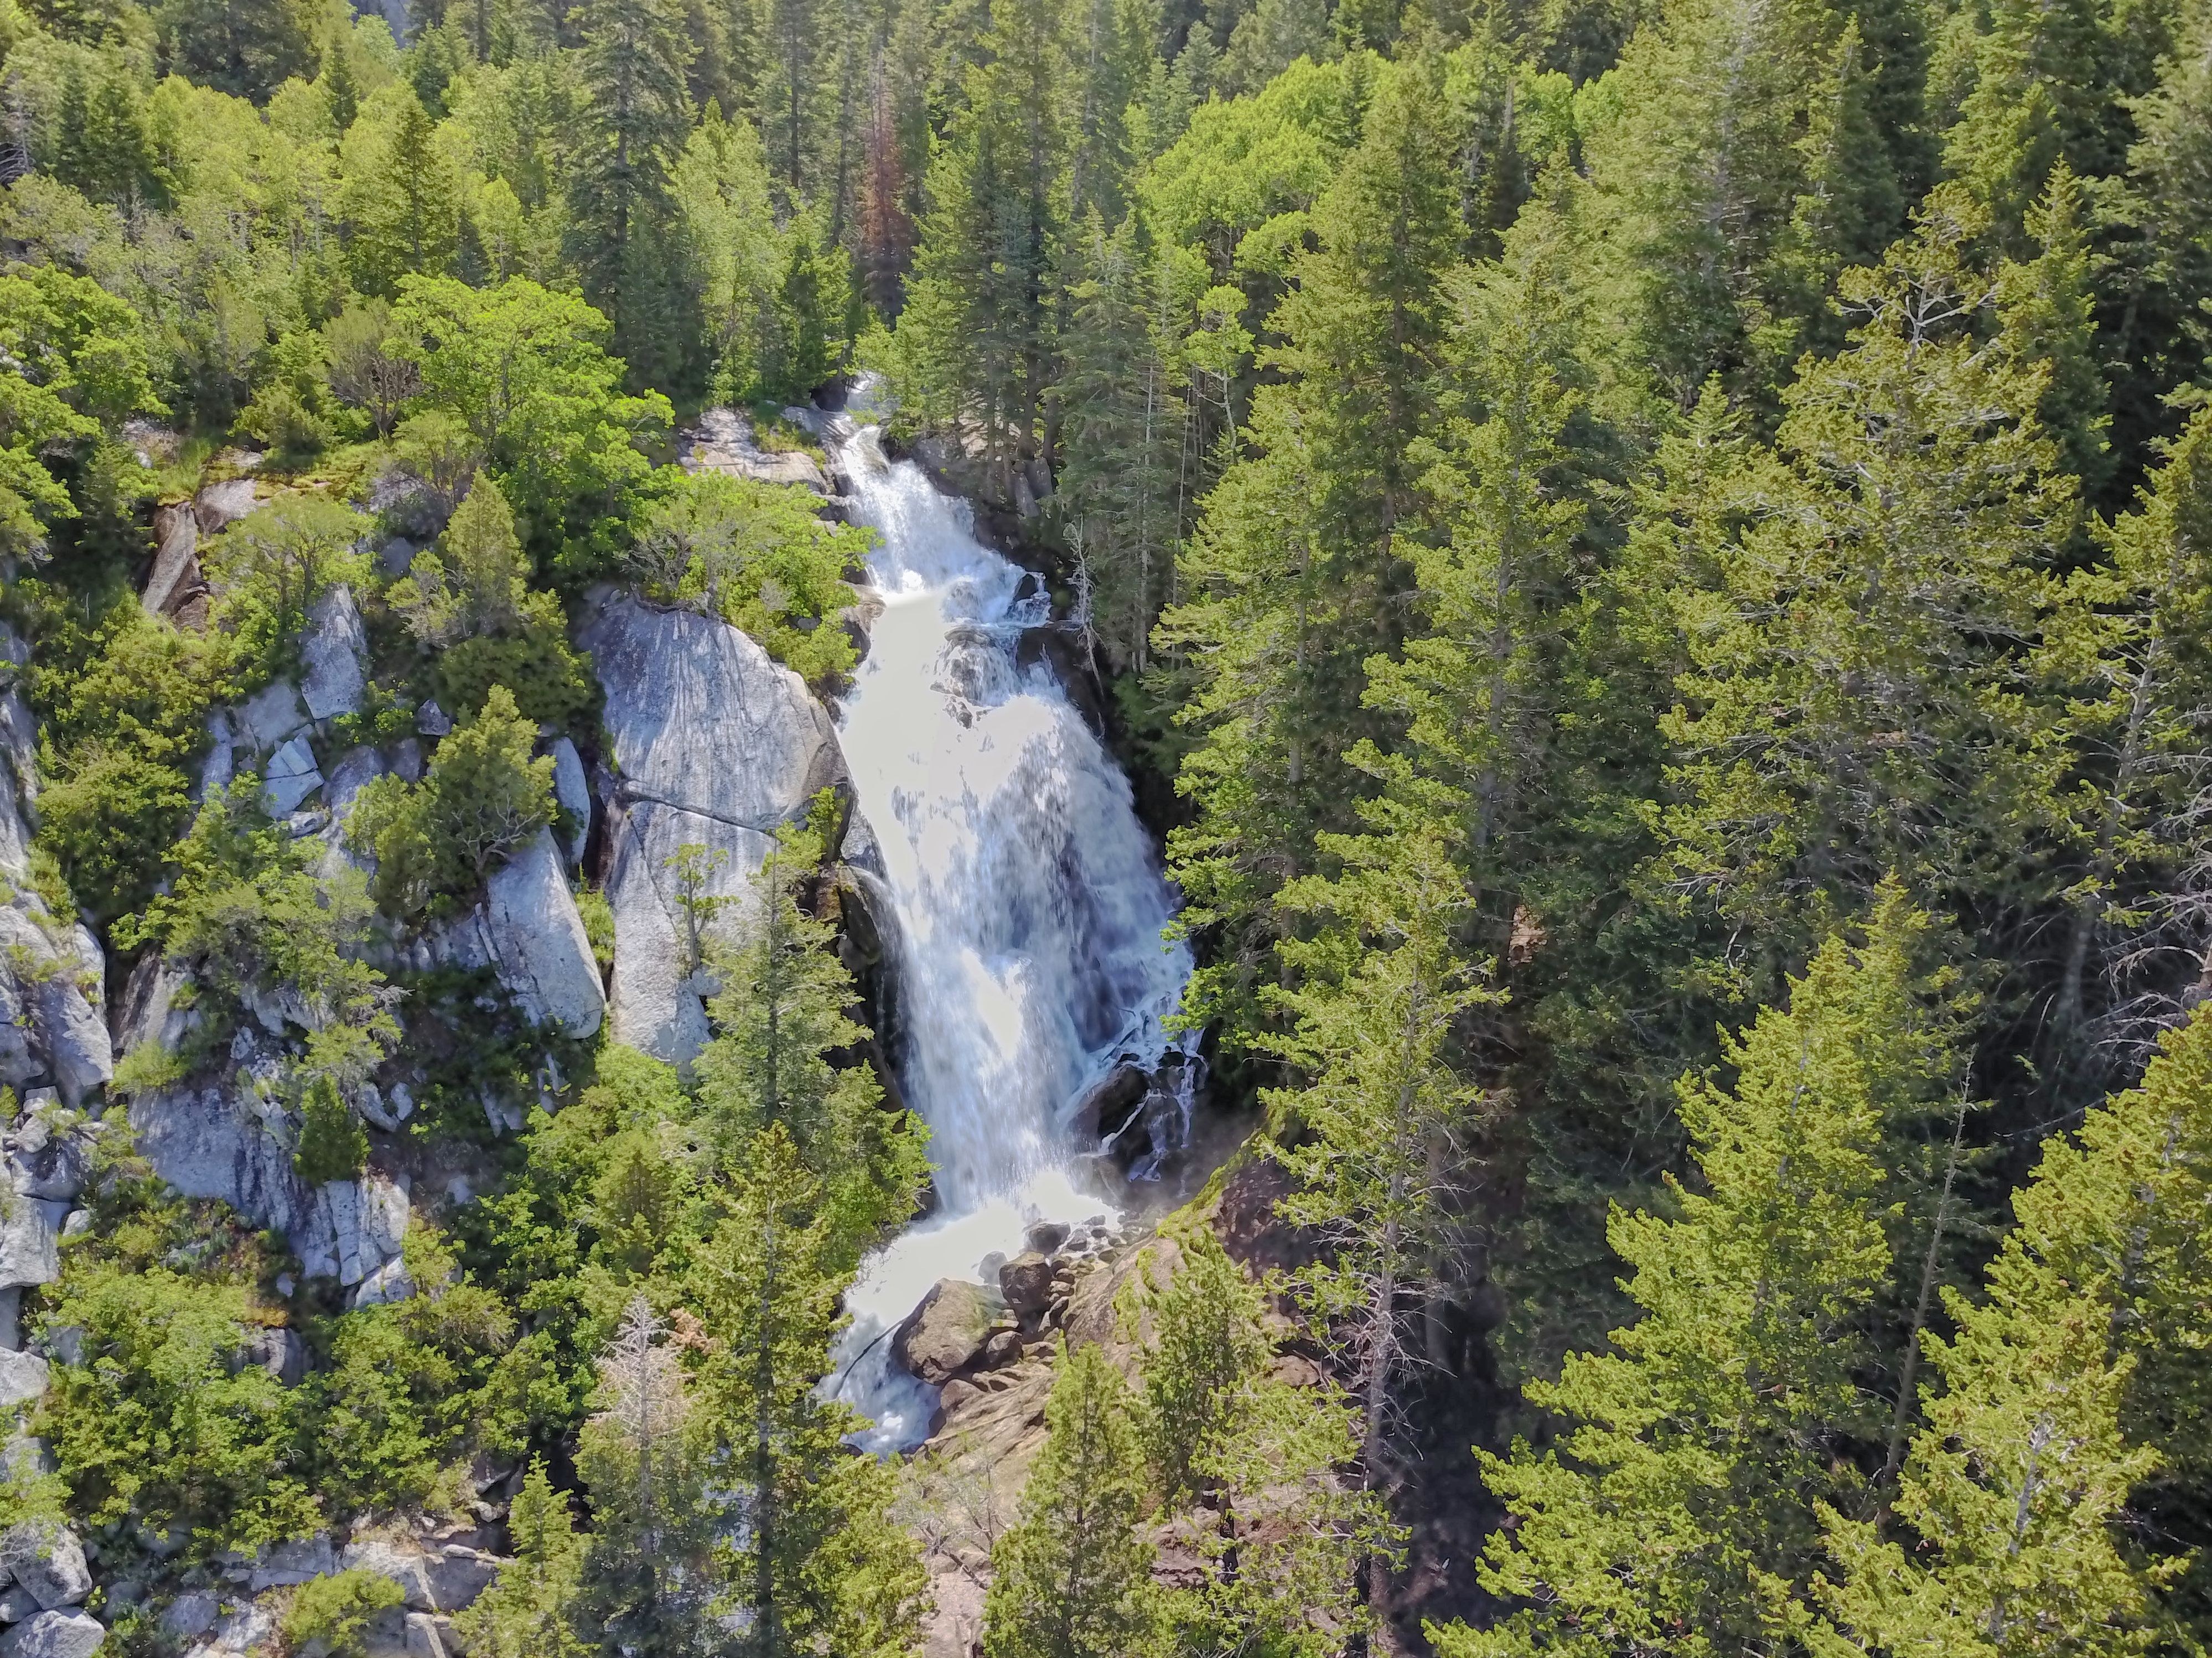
1495 586
1682 1503
2058 1394
634 55
792 93
818 1566
1876 731
781 1016
976 341
398 198
1071 1579
1386 1120
1742 175
2130 646
1124 434
1294 580
648 1578
887 233
2047 310
527 1611
1255 1462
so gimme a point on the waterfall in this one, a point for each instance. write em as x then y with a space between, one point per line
1029 957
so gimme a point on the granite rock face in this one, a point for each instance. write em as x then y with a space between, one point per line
334 652
713 742
46 1559
544 954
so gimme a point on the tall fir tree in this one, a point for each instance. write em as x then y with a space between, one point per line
2074 1380
1386 1122
1071 1579
1679 1512
621 212
1294 580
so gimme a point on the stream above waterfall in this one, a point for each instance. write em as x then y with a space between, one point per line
1028 959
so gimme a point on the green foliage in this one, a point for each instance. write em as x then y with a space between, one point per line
1071 1579
1707 1444
269 567
248 919
758 556
526 373
440 838
471 605
123 698
157 1425
333 1146
525 1612
780 1014
331 1615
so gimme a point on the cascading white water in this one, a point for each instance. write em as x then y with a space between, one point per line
1029 957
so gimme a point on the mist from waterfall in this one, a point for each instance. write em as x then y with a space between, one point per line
1029 905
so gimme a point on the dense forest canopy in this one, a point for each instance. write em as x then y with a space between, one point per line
1649 562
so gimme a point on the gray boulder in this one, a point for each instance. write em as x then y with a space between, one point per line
149 1009
544 954
54 1635
290 776
712 743
18 1604
723 441
434 1577
190 1616
47 1559
282 1565
356 1227
268 717
23 1378
334 652
29 1240
943 1336
222 505
51 1159
211 1141
703 719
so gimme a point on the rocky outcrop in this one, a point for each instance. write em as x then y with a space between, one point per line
537 939
23 1378
946 1334
52 1024
723 441
54 1635
46 1559
334 655
712 743
572 792
231 1143
175 579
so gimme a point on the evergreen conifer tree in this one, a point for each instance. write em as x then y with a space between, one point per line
1283 609
1071 1579
1682 1505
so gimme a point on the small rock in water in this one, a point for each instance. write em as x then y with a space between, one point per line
1046 1237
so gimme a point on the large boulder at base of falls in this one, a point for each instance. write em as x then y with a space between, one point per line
544 955
942 1337
55 1635
713 742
